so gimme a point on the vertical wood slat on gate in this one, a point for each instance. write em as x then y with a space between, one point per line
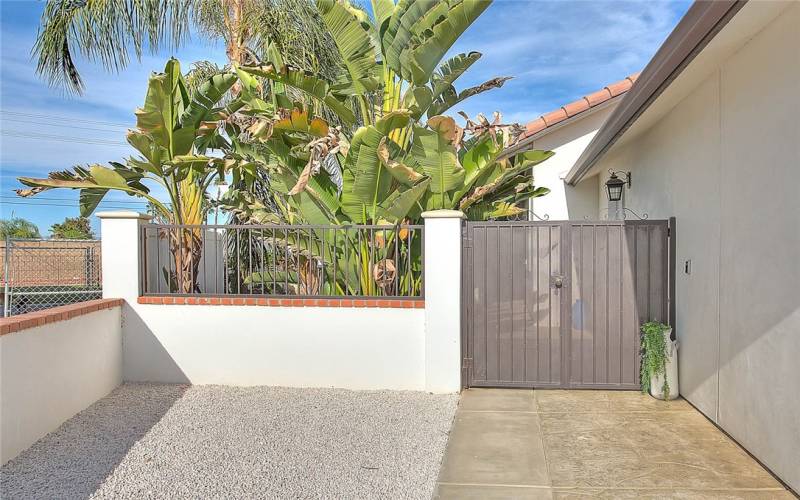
521 331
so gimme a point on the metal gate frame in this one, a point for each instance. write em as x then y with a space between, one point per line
566 298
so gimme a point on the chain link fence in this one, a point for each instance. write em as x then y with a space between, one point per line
39 274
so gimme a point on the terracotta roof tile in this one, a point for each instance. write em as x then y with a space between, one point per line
598 97
554 117
535 126
576 107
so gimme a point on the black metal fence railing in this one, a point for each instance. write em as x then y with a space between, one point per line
282 260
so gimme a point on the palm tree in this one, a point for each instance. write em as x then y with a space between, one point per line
17 227
110 32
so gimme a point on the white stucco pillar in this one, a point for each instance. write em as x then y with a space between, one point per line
119 235
616 209
443 300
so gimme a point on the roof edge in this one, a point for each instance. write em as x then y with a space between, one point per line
703 20
531 139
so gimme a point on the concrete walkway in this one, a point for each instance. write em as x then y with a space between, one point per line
581 444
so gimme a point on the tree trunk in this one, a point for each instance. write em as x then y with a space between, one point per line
233 12
187 248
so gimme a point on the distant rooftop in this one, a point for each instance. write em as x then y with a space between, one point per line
575 108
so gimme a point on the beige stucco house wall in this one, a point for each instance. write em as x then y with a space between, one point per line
720 151
567 131
566 202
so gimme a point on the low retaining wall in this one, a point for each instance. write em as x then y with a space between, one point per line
53 364
295 346
348 342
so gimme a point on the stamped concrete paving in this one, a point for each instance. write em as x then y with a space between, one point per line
588 444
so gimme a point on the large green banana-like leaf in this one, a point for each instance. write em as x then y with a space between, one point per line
181 166
152 152
479 163
306 83
77 179
506 178
532 158
95 179
397 119
418 99
402 173
248 99
398 31
383 10
105 176
500 210
318 202
349 28
436 157
281 157
205 98
449 97
164 103
366 182
434 32
449 71
398 204
89 199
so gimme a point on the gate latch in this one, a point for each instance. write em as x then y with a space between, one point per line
556 281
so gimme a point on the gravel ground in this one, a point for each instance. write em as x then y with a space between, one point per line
168 441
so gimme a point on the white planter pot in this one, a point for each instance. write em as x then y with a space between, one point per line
671 371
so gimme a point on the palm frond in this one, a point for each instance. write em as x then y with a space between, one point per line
105 32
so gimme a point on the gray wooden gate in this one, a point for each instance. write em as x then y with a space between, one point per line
559 304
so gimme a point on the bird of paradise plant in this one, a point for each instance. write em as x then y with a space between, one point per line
172 136
404 156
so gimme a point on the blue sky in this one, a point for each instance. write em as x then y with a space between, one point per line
556 51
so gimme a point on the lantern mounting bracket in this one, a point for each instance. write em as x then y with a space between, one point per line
626 176
625 210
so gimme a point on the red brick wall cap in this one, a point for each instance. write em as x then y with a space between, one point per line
54 314
286 302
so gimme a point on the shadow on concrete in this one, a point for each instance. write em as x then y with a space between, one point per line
74 460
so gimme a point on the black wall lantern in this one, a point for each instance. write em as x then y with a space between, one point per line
614 185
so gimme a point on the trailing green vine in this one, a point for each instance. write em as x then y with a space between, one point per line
654 355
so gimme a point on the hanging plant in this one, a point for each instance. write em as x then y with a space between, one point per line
654 355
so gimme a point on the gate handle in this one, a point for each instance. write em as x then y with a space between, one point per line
557 281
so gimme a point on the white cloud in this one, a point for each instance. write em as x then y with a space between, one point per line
558 51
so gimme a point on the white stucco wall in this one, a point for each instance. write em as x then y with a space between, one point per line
355 348
51 372
347 347
726 162
566 202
